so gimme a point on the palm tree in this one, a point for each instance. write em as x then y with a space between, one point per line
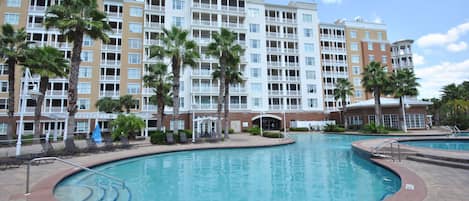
182 52
124 125
343 88
225 48
159 80
13 45
232 76
47 62
108 105
375 80
74 19
127 102
403 83
452 91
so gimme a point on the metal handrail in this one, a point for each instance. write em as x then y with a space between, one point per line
390 142
121 181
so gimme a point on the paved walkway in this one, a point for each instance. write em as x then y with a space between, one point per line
13 180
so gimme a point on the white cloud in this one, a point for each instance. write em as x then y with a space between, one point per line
378 20
418 59
457 47
449 39
332 1
433 78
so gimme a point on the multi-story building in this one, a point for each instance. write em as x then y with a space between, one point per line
366 42
401 52
333 61
281 64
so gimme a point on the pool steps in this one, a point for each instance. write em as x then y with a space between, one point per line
99 191
441 160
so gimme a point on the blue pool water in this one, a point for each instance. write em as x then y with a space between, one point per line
454 145
317 167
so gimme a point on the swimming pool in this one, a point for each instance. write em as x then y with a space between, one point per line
316 167
454 145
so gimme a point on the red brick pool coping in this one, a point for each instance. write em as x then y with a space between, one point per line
44 189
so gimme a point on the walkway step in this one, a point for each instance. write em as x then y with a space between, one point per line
445 158
439 162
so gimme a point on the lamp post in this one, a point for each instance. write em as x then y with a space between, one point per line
24 91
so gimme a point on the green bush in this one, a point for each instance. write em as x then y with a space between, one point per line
272 134
372 128
157 137
188 133
299 129
230 131
254 130
333 128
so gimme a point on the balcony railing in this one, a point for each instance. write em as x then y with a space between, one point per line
333 49
275 78
201 73
291 35
232 25
205 23
205 90
292 78
153 42
109 93
204 5
203 106
274 49
238 106
273 63
293 107
275 92
111 62
293 93
111 47
233 8
152 108
156 8
56 93
329 36
36 26
110 77
37 8
154 25
291 50
203 40
114 14
273 34
275 107
238 90
292 64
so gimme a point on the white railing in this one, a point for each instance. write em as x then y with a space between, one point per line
152 108
275 107
273 19
154 25
289 21
273 34
333 49
238 106
273 63
154 8
291 35
116 31
110 77
292 64
201 72
293 93
275 78
204 5
111 62
238 90
111 47
205 89
37 8
204 106
275 92
293 107
291 50
329 36
292 78
114 14
232 25
232 8
109 93
204 22
153 42
36 26
56 93
203 40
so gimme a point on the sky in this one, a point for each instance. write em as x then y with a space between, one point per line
440 30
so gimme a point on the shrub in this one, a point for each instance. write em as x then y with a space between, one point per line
230 131
157 137
254 130
125 125
299 129
372 128
188 133
333 128
272 134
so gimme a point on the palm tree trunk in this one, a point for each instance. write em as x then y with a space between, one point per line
176 65
11 99
73 84
160 103
227 109
403 122
38 110
343 113
221 93
377 107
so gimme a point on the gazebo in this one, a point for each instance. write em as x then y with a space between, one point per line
203 126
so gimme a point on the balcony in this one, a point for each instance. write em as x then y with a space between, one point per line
292 78
201 73
148 91
152 108
238 106
289 21
293 93
154 25
37 8
204 6
274 49
273 34
291 50
110 78
115 31
333 49
274 63
241 42
114 14
110 62
333 62
153 42
109 47
292 64
205 23
109 93
154 8
335 74
55 109
275 78
238 90
56 93
36 26
273 19
330 36
202 40
204 106
232 25
290 35
293 107
275 92
275 107
205 90
233 9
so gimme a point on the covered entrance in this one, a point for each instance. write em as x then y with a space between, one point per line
269 122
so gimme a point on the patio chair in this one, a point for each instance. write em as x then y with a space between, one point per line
182 138
108 145
124 143
169 138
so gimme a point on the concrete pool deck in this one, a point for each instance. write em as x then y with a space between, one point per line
45 176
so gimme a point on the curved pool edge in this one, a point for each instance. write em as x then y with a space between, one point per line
407 176
44 189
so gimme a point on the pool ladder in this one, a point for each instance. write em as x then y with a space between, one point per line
393 154
76 165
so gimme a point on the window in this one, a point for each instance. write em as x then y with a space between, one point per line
255 58
354 46
370 46
12 18
356 70
87 56
311 88
133 88
135 27
181 86
181 102
382 47
353 34
307 18
384 59
14 3
312 103
4 86
309 61
133 73
367 35
255 43
358 93
3 104
3 69
83 104
309 47
380 35
178 21
254 12
415 121
179 124
87 41
255 72
178 4
356 81
254 28
135 43
371 57
84 88
256 87
308 32
355 59
82 127
256 102
85 72
134 58
136 12
3 128
310 75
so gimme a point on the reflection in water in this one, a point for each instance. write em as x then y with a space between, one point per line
317 167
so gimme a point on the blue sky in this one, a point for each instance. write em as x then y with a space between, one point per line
440 30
